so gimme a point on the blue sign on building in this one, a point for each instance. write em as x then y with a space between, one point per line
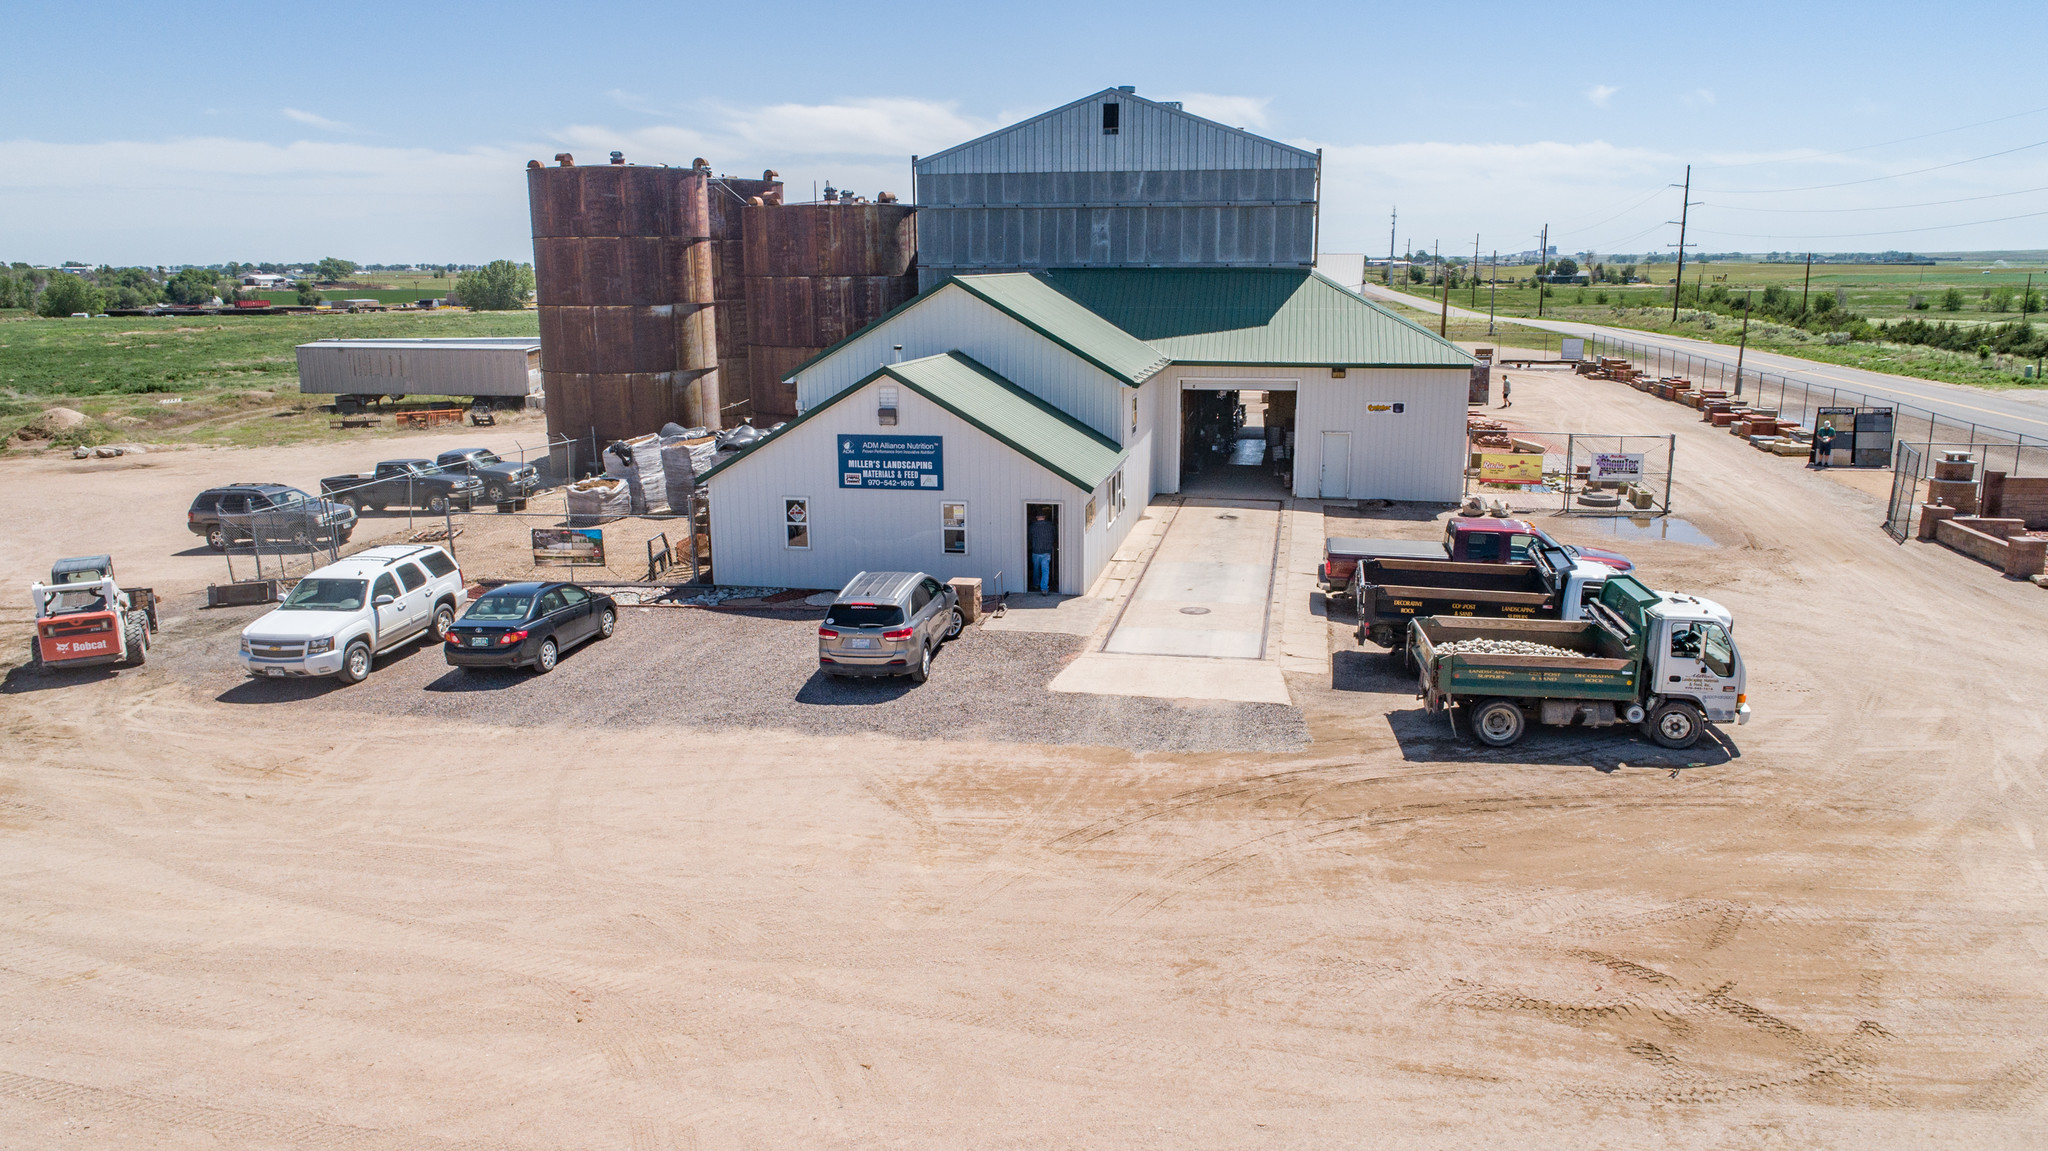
915 462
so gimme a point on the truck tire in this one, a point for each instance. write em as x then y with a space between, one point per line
353 504
217 537
494 494
1675 725
355 662
135 636
444 618
301 538
1498 723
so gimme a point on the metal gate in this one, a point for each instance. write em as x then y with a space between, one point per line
1905 492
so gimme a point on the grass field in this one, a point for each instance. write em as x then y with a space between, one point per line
1875 291
189 378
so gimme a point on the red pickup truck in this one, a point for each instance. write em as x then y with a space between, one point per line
1476 541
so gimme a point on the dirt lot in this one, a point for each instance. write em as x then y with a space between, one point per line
377 919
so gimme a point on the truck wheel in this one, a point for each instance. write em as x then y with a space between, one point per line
1499 723
217 537
438 505
354 505
1674 725
444 618
301 538
135 635
494 495
355 663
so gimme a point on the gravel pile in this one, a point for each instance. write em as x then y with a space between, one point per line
1506 647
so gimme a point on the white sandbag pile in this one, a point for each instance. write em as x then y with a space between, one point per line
600 498
638 462
683 459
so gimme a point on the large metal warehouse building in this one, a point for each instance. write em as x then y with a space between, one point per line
1115 180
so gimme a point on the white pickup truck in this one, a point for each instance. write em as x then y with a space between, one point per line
339 619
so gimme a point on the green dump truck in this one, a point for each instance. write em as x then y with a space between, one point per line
1665 662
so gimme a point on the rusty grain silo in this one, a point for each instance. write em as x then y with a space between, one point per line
729 198
816 273
625 280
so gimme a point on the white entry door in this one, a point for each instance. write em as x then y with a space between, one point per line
1336 483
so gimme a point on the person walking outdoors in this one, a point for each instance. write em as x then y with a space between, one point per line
1507 388
1043 536
1823 443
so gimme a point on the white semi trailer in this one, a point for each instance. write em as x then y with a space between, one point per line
495 371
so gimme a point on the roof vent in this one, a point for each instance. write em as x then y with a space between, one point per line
1132 88
618 157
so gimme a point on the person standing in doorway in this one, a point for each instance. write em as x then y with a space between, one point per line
1506 389
1823 443
1042 537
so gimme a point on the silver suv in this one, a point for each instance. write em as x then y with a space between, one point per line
888 623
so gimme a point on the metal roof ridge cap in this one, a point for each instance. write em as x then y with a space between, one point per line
1005 438
922 160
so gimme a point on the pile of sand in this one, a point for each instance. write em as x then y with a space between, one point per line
52 423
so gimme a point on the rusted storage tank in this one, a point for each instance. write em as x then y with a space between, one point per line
729 197
815 274
624 277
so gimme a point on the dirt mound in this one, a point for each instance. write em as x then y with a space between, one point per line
52 423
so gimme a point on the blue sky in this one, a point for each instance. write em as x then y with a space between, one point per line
396 132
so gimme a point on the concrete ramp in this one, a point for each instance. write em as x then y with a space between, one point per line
1208 590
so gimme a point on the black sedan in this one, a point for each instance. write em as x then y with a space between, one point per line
529 625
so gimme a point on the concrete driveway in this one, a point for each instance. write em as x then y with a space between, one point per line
1209 588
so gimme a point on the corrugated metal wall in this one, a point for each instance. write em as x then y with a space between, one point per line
854 529
349 367
1167 189
817 273
1415 454
954 320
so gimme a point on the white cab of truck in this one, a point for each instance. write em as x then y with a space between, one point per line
339 619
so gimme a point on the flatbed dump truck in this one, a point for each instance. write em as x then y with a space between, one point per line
1392 591
1664 662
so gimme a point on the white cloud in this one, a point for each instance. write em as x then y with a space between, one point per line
1599 94
205 199
1701 96
1236 111
316 121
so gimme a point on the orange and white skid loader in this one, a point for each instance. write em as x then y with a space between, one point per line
84 618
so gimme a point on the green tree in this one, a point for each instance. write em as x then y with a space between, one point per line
1566 268
332 270
191 286
67 295
308 293
1952 300
499 286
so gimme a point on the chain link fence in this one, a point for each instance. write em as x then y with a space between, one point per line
2014 453
1575 473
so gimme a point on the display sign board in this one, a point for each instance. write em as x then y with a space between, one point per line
1571 349
568 547
915 462
1626 466
1511 468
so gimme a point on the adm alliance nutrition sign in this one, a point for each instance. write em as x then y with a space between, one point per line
915 462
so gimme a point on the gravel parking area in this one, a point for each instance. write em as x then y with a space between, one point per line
723 670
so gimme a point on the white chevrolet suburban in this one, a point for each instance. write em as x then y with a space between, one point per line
340 618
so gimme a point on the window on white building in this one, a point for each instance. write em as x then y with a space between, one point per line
953 523
885 407
796 521
1113 496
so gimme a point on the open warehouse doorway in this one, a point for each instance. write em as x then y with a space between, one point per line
1237 441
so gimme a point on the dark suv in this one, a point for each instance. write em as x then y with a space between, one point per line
267 513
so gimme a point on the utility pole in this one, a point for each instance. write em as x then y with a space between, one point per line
1685 207
1492 289
1436 262
1744 350
1475 271
1542 258
1809 284
1443 322
1391 225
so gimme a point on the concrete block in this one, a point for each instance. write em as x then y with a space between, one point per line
968 588
1931 516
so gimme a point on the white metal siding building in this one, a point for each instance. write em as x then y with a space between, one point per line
1061 361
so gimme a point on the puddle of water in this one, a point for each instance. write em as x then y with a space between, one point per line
1668 528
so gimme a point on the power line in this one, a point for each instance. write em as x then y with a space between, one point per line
1881 143
1618 215
1884 208
1859 235
1875 179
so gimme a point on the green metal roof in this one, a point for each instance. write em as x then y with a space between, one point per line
1042 433
1035 303
1278 317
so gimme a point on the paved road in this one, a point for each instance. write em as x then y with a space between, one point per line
2013 411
